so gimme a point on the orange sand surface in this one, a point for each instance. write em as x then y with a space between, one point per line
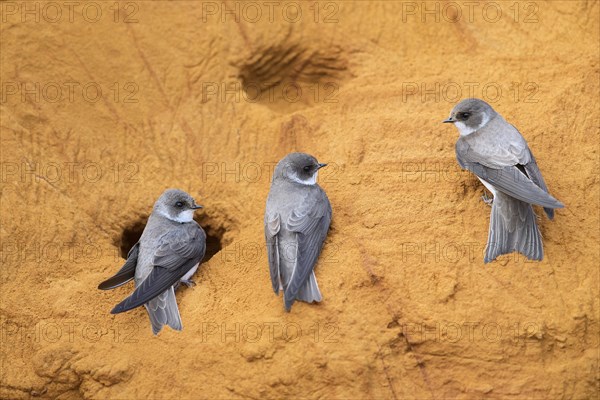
104 107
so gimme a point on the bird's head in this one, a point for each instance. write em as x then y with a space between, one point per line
470 115
176 205
299 168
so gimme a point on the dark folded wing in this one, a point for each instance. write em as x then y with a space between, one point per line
533 171
126 273
311 222
272 225
180 250
508 179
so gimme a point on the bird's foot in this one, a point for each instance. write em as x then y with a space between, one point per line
487 200
188 282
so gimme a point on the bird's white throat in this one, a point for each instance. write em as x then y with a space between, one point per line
465 130
310 181
183 216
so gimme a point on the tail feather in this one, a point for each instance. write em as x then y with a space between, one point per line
309 292
163 310
513 227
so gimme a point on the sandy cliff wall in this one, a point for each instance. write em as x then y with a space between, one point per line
102 112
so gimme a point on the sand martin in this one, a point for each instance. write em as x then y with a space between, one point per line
168 252
297 219
495 151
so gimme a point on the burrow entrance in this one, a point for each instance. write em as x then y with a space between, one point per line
214 237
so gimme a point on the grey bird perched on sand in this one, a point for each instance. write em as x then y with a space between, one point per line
297 219
495 151
168 252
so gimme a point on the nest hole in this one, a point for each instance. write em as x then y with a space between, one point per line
214 237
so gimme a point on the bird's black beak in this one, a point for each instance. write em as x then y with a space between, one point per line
196 207
448 121
321 165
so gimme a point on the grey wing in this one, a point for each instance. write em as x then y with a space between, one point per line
508 179
533 171
126 273
179 251
272 226
310 222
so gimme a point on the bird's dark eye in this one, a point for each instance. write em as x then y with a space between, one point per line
464 115
179 204
307 168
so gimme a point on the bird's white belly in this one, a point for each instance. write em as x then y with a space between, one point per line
488 186
189 274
